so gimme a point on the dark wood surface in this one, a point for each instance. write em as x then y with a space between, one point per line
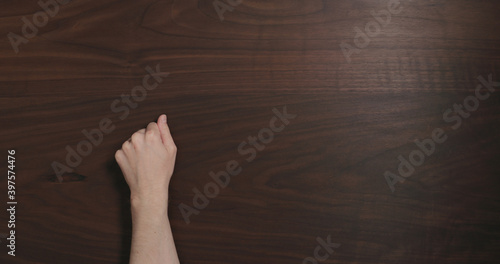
322 176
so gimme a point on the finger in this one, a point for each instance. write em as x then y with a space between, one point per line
152 131
120 157
166 137
122 160
128 150
140 131
124 164
137 137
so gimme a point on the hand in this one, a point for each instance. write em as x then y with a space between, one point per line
147 161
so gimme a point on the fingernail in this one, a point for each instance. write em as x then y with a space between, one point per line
164 117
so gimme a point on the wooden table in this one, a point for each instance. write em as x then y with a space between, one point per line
367 87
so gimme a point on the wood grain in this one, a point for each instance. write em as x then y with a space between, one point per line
323 175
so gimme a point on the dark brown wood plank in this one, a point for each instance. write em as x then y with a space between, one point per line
322 176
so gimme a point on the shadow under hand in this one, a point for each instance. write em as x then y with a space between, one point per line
126 218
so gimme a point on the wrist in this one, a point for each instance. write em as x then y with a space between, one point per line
155 205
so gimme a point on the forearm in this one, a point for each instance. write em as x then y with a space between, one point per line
152 240
147 161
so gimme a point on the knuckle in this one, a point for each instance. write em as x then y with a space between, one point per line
125 145
150 134
136 144
136 136
137 140
172 147
119 155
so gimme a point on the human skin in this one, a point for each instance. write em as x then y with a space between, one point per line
147 161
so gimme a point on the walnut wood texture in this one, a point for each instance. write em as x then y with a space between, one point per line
323 175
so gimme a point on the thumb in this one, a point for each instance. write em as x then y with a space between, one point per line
166 137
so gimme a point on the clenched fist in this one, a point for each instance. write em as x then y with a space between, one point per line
147 161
